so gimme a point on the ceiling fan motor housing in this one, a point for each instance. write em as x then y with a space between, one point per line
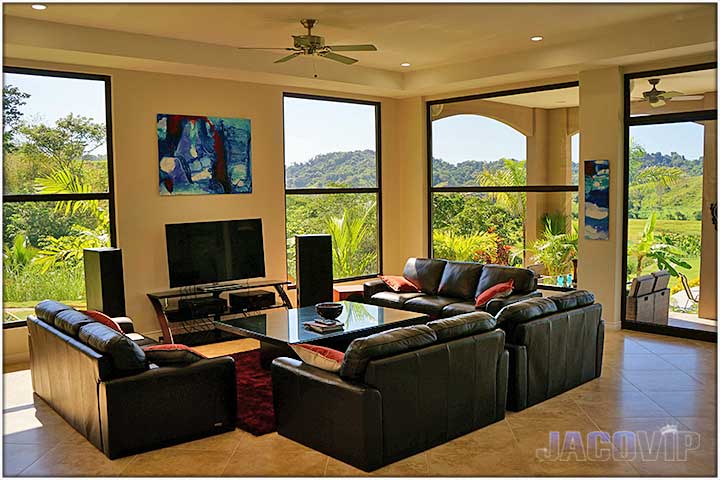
309 43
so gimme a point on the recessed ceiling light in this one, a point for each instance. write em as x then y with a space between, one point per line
405 64
537 38
38 6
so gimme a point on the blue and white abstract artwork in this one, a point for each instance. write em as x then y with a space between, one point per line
597 199
203 155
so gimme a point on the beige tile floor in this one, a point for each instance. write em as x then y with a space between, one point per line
648 382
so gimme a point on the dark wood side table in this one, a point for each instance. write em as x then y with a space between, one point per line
347 292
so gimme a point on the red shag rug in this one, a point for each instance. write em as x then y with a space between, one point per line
255 412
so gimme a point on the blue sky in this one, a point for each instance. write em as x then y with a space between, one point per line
52 98
314 127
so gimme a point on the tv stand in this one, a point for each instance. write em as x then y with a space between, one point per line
174 322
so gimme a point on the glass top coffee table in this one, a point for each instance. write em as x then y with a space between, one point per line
277 329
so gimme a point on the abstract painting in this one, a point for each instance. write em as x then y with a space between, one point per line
597 199
200 155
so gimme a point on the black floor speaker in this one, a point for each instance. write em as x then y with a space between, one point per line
104 283
314 274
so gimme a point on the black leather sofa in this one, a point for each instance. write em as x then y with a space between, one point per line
103 385
398 392
449 288
555 344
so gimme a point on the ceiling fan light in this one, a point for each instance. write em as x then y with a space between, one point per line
38 6
537 38
405 64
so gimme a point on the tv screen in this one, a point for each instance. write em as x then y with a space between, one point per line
209 252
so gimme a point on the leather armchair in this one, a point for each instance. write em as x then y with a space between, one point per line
100 382
401 403
555 344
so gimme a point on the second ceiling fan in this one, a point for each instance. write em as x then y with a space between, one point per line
310 44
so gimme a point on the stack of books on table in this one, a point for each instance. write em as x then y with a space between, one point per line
324 326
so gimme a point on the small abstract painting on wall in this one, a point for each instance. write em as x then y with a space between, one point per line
597 199
200 155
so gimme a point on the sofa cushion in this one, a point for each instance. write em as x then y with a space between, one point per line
126 355
318 356
570 300
462 325
399 283
428 304
459 280
522 312
172 354
392 299
500 290
425 273
458 309
524 279
47 310
383 344
70 321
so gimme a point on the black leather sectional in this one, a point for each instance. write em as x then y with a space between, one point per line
405 390
449 288
102 384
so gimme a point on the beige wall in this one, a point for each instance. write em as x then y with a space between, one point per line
601 131
141 212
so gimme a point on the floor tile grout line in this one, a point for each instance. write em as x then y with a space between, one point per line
237 445
37 460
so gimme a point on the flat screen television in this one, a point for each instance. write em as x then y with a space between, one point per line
211 252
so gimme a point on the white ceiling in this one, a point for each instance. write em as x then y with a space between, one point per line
451 47
426 35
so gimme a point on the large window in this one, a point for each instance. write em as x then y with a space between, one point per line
503 179
332 180
57 185
670 188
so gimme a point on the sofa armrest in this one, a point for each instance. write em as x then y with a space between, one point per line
324 412
125 324
372 287
167 405
517 377
496 304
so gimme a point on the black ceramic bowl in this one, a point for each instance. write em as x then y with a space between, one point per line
329 310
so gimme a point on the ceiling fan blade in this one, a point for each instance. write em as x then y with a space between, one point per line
264 48
671 94
353 48
289 57
338 58
683 98
657 103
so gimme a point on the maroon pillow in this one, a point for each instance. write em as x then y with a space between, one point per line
499 290
399 284
172 354
104 319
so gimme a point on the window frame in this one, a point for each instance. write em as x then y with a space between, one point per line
57 197
478 189
377 190
654 119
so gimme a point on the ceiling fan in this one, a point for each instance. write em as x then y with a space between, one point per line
310 44
657 98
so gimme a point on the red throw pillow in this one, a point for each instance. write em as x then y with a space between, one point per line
399 283
104 319
321 357
499 290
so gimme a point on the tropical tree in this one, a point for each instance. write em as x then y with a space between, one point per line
667 257
512 175
348 233
13 99
67 251
453 246
556 248
18 254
